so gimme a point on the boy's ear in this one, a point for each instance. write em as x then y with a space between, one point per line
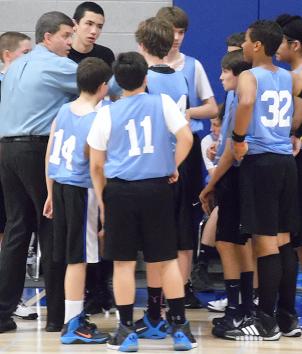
6 56
297 46
74 24
103 89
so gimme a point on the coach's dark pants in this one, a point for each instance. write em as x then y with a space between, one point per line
24 188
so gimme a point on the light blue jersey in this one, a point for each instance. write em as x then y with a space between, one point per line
270 126
190 75
228 111
163 79
134 131
139 146
68 163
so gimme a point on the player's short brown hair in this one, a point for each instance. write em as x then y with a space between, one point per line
156 35
174 15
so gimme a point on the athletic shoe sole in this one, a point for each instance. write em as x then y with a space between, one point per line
254 338
32 316
130 348
294 333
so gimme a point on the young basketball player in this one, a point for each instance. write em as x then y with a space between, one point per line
155 38
131 147
268 181
71 200
290 51
234 250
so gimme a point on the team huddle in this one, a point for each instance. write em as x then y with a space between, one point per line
103 159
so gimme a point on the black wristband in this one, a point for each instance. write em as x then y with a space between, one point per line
238 138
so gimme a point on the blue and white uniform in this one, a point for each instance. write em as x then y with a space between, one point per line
199 90
163 79
134 135
69 165
269 130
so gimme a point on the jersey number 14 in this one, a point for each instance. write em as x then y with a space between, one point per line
66 150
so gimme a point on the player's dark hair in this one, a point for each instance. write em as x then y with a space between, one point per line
291 25
235 62
91 73
156 35
235 39
269 33
11 41
87 6
174 15
130 70
50 22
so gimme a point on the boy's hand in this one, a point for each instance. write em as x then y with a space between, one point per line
206 198
239 149
212 151
188 115
174 177
48 209
296 145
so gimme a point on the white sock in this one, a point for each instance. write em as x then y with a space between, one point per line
72 309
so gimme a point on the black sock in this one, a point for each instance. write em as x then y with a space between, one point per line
126 314
232 289
154 303
269 274
177 310
246 290
287 289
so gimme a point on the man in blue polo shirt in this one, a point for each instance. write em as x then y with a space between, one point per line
33 90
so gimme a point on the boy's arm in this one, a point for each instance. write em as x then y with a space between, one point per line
223 166
297 93
48 207
97 160
184 141
208 109
246 91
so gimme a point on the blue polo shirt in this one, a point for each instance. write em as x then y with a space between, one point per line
33 90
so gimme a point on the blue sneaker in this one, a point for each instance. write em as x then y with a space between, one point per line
148 329
182 337
80 331
124 340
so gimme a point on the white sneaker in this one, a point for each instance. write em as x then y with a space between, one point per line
218 305
25 312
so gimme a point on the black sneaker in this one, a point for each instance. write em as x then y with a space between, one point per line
92 305
124 339
256 328
7 324
226 323
79 331
200 278
230 313
288 324
106 299
149 329
191 301
182 337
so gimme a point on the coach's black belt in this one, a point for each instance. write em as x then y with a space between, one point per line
25 138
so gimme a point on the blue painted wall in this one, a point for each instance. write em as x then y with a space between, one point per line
211 21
